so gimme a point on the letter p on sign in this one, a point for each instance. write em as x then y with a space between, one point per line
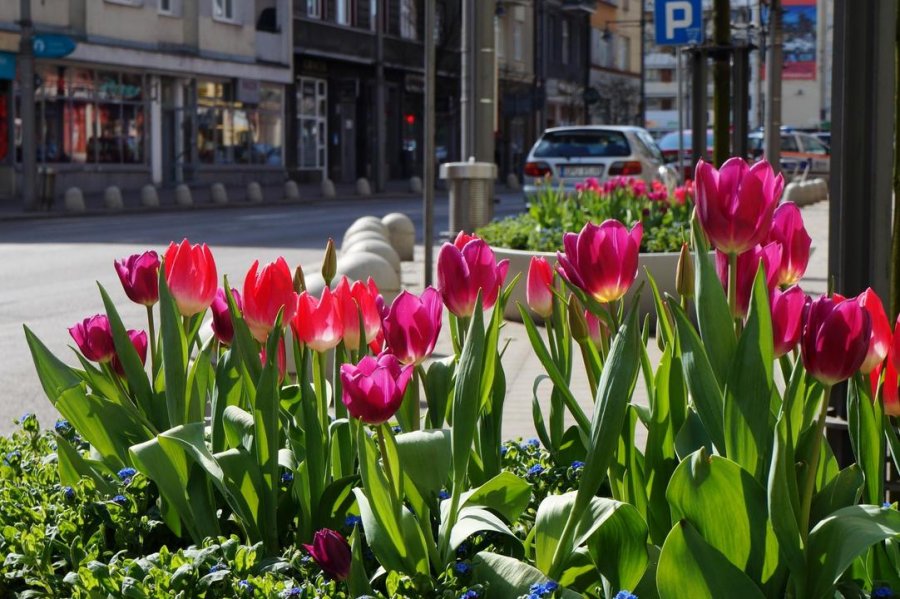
678 16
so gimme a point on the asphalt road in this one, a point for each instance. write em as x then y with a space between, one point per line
51 267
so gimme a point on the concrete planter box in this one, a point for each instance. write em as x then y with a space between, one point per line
661 266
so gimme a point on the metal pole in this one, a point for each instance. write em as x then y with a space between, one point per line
484 82
380 116
698 105
774 61
428 175
758 113
466 100
29 133
679 105
643 105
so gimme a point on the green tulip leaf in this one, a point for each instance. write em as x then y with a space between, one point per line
474 520
509 577
73 466
506 494
438 384
467 396
784 500
174 353
619 548
864 423
713 312
425 459
841 491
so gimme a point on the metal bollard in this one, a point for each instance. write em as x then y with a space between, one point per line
471 193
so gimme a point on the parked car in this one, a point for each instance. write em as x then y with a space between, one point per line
800 153
569 155
668 143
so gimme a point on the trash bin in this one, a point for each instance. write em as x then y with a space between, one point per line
471 193
46 186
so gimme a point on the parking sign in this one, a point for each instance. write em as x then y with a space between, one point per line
678 22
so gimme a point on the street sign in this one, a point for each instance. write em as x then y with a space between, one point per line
678 22
51 45
7 66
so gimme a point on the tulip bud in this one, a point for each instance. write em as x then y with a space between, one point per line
880 339
94 338
139 341
602 260
191 276
318 323
684 273
597 329
466 267
267 292
331 552
835 339
299 280
539 287
413 324
139 275
222 326
329 266
577 323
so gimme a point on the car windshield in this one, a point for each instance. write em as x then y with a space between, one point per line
669 141
582 143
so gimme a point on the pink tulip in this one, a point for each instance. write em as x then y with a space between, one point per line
191 276
602 260
747 265
374 388
788 308
93 336
788 230
538 292
222 326
331 552
355 300
597 328
413 324
139 341
465 267
140 277
880 340
318 323
835 339
735 204
265 293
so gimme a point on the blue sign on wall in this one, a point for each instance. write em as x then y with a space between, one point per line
7 66
678 22
51 45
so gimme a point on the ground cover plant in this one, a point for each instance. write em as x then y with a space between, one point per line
253 462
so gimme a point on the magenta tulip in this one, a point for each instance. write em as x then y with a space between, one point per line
374 388
747 265
140 277
358 299
191 276
265 293
880 339
331 552
539 288
93 336
788 308
835 339
465 267
413 324
602 260
788 230
139 341
735 204
222 326
318 323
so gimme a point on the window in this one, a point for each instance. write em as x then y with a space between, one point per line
344 12
223 9
518 34
165 7
312 116
439 17
564 45
409 19
582 144
789 144
314 9
373 14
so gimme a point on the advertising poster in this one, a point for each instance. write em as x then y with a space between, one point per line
799 39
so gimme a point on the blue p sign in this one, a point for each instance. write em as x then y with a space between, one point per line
678 22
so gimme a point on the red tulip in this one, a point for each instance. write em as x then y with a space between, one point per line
602 260
331 552
222 326
191 276
788 308
747 265
539 289
93 336
374 388
788 230
465 267
355 300
735 204
890 387
835 339
265 293
139 341
140 277
880 341
318 323
282 359
413 324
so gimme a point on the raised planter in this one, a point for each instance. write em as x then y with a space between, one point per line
661 266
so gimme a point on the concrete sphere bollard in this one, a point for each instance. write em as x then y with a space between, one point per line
369 222
362 235
374 246
792 193
328 190
218 194
363 189
149 196
74 200
254 192
291 191
512 182
415 184
821 188
359 266
401 234
183 195
112 198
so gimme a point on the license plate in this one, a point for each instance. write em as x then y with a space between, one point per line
582 171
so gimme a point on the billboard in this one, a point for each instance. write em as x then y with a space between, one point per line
799 20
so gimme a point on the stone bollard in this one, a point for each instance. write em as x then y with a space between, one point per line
512 182
74 200
792 193
363 189
415 184
254 193
149 197
328 191
374 246
370 224
361 235
218 194
183 195
401 234
112 198
291 191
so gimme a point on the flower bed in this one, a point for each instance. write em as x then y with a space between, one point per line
204 468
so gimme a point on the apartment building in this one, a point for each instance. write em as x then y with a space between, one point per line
516 125
616 49
155 91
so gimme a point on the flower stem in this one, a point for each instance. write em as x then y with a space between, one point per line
151 333
321 390
809 486
380 431
732 285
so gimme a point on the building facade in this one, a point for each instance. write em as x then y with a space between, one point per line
156 91
516 126
616 48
